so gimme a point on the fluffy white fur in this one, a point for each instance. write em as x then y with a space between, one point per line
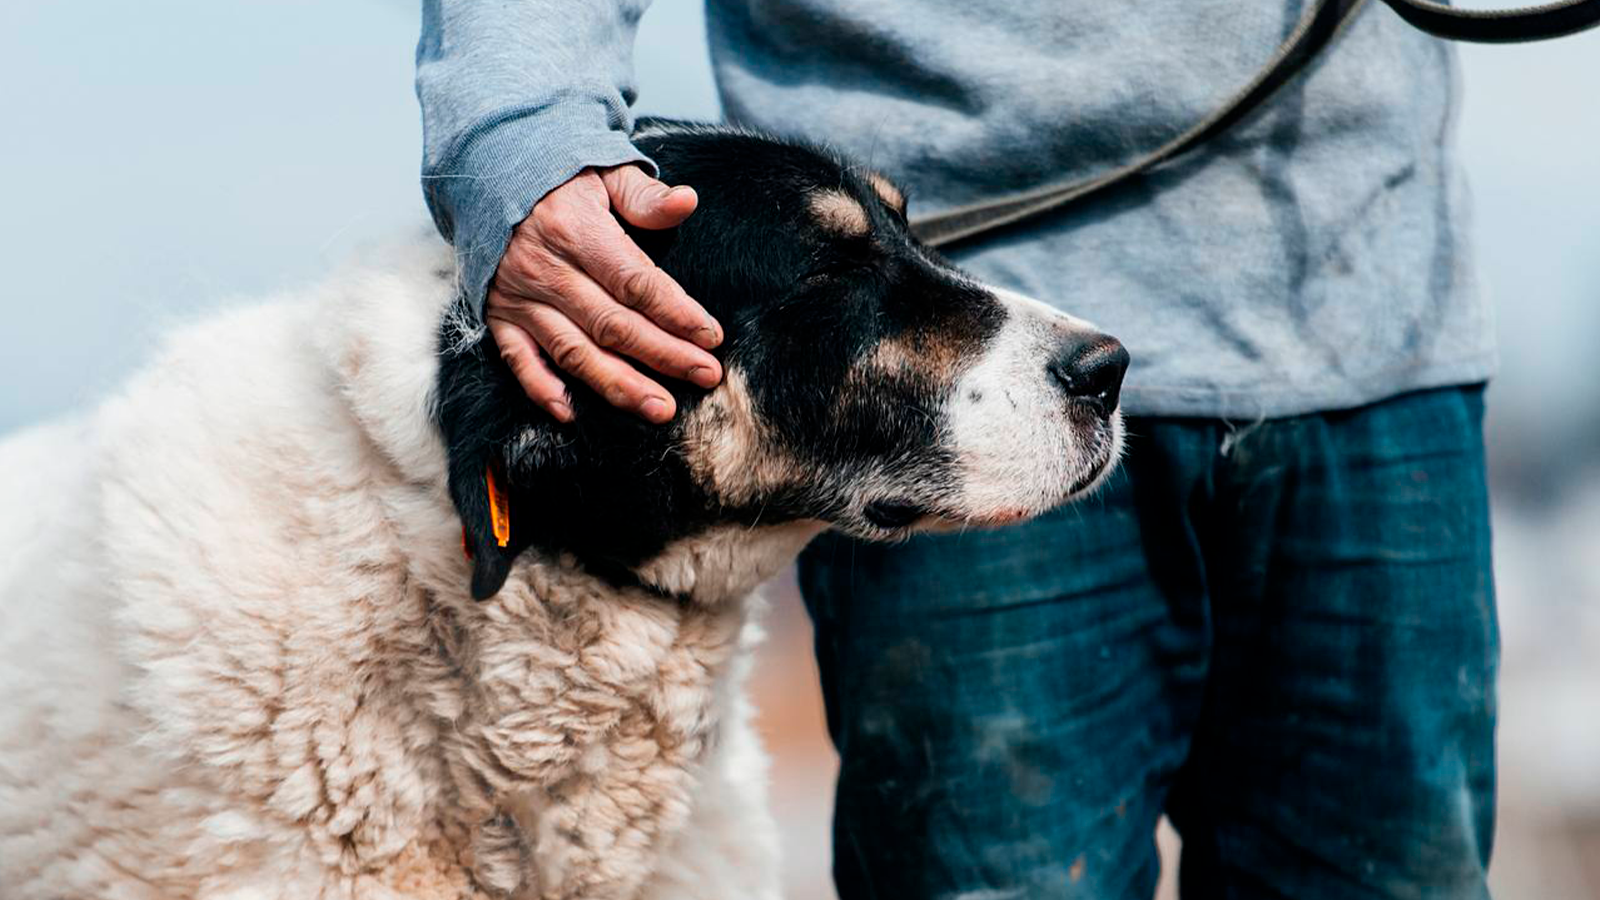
238 660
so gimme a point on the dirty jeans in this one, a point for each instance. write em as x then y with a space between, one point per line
1281 634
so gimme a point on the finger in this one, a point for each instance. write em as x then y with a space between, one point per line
540 382
625 272
609 324
646 202
619 383
569 228
622 331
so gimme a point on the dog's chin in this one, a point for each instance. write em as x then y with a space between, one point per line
1106 454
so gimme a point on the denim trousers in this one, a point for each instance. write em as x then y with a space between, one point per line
1282 635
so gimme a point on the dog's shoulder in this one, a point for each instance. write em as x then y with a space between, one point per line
245 416
262 442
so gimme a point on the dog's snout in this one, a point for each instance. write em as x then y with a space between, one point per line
1090 369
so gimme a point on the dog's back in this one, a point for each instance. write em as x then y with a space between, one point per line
99 513
172 559
59 672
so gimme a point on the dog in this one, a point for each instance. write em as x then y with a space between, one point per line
320 605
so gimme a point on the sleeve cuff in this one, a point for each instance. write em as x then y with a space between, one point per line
480 196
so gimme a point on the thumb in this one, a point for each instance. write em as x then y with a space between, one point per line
645 202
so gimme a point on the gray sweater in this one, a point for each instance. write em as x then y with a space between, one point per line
1315 258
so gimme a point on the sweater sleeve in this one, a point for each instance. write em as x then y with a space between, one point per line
517 97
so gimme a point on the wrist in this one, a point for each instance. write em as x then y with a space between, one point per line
479 193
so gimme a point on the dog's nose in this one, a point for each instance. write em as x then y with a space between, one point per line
1091 369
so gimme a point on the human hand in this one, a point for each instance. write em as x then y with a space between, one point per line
573 284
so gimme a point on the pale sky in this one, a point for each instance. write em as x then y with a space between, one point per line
165 156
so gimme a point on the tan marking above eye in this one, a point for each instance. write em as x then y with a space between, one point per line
886 189
840 213
893 356
932 359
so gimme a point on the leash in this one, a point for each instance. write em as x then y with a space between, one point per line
1317 27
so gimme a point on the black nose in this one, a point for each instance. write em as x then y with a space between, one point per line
1091 369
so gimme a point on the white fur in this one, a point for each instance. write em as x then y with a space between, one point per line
238 660
1019 450
728 561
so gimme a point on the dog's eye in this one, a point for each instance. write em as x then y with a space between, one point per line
893 514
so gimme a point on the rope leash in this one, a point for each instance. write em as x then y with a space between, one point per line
1319 26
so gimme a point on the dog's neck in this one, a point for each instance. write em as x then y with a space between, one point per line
380 341
567 679
379 334
727 561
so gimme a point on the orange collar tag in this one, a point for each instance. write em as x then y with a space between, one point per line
499 509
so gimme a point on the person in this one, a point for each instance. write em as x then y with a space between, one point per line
1276 624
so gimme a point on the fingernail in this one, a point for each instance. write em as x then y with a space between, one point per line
561 411
704 376
679 191
655 409
708 335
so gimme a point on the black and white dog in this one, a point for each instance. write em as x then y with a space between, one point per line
872 386
242 654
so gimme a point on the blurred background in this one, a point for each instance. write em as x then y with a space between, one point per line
166 157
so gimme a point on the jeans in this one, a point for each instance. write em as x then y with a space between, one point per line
1282 635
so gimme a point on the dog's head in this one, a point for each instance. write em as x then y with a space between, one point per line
870 385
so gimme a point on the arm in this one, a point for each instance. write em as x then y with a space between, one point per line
525 157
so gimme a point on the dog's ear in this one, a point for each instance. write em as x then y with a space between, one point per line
485 542
497 441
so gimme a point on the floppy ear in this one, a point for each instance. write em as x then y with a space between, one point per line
491 560
494 437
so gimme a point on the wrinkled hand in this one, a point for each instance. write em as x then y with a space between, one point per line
573 284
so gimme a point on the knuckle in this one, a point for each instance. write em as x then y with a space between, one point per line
637 285
567 352
619 178
618 394
643 195
612 329
516 358
554 213
559 228
629 194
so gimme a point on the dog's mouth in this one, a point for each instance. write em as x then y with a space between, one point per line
1089 482
898 515
1108 447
